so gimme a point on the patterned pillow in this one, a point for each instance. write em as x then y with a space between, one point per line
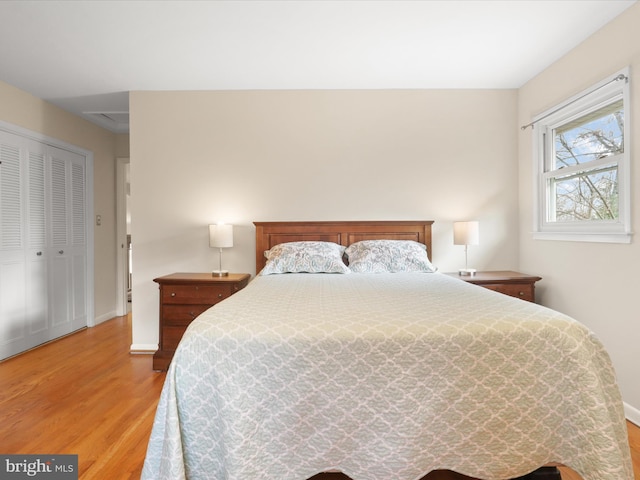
305 257
388 256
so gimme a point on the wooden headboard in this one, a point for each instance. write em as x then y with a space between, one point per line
269 234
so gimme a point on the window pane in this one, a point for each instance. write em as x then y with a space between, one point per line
592 136
586 196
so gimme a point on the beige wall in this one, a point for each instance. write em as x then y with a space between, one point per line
26 111
596 283
122 145
202 157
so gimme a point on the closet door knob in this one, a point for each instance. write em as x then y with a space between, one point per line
39 254
60 252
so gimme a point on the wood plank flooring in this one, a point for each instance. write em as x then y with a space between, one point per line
86 395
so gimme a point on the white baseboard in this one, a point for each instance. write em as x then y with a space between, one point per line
632 414
103 318
143 348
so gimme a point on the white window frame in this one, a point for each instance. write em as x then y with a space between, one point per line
605 92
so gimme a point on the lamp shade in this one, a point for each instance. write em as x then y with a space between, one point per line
221 235
465 233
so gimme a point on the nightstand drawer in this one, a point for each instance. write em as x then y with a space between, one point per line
195 293
525 292
181 314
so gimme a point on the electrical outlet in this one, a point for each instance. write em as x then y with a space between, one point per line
98 220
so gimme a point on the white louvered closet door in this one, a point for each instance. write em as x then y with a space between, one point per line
13 299
43 250
37 265
23 279
68 242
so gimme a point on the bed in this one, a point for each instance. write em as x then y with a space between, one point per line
385 375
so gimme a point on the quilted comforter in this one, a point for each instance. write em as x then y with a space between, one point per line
385 376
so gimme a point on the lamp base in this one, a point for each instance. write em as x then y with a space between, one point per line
467 272
220 273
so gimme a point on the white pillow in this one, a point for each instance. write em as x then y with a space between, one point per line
305 257
388 256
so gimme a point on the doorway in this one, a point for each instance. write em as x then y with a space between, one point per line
123 234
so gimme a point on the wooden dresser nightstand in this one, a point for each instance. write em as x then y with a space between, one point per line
515 284
184 296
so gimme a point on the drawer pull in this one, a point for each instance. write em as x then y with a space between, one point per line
219 295
173 294
521 294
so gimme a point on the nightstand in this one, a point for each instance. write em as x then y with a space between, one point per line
184 296
515 284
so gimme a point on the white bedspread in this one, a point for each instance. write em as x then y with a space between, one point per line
385 377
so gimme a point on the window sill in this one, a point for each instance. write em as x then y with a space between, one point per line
584 237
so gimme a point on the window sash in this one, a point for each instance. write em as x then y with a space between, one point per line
555 183
584 167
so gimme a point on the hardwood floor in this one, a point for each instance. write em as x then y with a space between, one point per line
86 395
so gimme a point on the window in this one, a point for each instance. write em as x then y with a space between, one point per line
582 163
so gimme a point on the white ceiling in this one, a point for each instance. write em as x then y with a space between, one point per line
85 56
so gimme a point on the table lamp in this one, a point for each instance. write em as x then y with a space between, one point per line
466 233
220 236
